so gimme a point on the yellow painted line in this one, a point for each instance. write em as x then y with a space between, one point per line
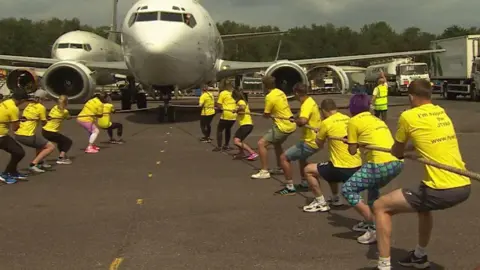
140 201
116 264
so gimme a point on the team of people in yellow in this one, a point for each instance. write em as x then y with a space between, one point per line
95 112
427 126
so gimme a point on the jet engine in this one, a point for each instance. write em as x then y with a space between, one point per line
69 78
23 78
287 74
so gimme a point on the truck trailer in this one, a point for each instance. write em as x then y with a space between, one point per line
399 74
456 72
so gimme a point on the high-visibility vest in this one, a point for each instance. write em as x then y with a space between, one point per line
381 99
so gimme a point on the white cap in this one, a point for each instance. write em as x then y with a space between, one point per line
40 93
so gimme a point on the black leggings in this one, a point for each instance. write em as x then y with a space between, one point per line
205 125
9 145
227 126
63 142
118 127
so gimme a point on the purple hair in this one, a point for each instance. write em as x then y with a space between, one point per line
359 103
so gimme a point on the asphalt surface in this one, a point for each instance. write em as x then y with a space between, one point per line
163 200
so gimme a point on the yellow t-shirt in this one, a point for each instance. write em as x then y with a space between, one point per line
57 115
310 111
228 103
104 121
365 128
32 111
8 113
433 135
276 104
93 107
336 126
244 118
207 102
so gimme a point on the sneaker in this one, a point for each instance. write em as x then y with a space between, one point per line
7 179
18 176
216 149
64 161
413 261
208 140
226 148
252 157
286 192
335 201
262 174
203 139
369 237
36 169
91 150
95 147
316 206
362 226
276 171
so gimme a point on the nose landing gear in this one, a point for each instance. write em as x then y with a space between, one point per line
167 112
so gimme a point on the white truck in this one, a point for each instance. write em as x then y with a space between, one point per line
456 72
399 74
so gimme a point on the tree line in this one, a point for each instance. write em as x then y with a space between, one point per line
34 38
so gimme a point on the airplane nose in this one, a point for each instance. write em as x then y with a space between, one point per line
66 55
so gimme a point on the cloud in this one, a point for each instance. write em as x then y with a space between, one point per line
429 15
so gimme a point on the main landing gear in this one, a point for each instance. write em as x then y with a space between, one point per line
167 112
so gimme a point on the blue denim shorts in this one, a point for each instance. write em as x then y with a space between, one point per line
300 151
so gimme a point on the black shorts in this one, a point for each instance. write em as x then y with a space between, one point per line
426 199
243 131
333 174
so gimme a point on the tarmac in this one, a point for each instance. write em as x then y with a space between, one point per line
164 200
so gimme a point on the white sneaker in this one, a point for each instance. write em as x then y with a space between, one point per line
262 174
276 171
362 226
335 201
36 169
369 237
316 206
64 161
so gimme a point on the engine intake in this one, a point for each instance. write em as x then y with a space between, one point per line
287 74
69 78
23 79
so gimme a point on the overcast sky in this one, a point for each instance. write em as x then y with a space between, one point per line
429 15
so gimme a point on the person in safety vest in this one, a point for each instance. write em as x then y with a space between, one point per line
380 99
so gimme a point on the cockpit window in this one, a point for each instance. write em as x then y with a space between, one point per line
189 20
171 17
147 16
132 19
87 47
76 46
63 45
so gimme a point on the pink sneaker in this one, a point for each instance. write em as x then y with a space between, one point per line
96 147
91 150
252 157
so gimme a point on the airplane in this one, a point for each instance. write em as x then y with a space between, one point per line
175 43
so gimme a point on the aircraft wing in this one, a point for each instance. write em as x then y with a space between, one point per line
118 67
251 35
229 68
